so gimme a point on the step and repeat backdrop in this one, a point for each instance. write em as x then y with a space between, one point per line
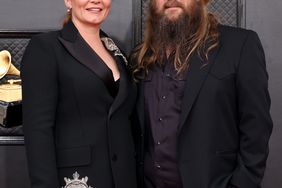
21 19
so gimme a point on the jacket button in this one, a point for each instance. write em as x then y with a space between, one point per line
114 158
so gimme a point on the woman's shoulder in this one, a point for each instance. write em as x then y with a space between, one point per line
45 38
45 41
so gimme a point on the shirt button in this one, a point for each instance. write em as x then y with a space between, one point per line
164 97
160 119
158 166
158 143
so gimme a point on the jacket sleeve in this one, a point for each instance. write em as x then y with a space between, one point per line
40 93
255 124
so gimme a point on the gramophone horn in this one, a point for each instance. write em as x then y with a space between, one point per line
6 67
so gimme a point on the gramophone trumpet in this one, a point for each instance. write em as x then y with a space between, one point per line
6 67
10 91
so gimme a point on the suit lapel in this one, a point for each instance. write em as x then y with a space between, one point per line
196 76
82 52
125 84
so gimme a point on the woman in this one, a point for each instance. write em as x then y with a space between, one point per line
77 102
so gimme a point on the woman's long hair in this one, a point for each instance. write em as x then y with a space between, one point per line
202 40
67 17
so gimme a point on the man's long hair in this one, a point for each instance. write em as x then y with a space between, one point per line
200 36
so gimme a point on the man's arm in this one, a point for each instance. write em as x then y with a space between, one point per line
255 124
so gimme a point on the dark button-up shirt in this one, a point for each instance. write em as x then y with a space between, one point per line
163 97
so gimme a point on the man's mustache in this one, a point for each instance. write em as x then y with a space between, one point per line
171 4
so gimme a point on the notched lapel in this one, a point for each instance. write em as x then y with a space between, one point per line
196 76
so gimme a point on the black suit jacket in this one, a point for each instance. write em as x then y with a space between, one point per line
71 122
225 122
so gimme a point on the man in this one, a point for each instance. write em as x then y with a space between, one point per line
203 107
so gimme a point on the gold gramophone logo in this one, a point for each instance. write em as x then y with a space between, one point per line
11 91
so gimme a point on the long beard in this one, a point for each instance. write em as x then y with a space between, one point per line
173 32
168 35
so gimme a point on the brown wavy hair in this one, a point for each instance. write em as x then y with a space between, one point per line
67 17
202 41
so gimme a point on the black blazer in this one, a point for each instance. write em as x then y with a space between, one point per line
225 122
71 122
